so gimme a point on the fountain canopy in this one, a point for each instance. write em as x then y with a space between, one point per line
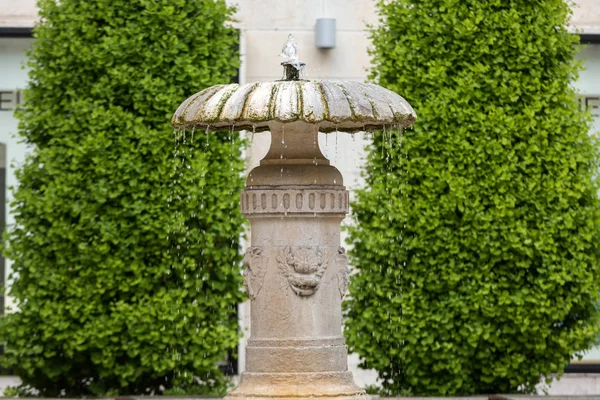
330 105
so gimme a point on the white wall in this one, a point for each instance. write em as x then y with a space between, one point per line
13 76
588 84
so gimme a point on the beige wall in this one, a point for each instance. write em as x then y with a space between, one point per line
586 16
294 14
18 13
266 24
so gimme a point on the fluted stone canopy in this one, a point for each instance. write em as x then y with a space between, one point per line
331 105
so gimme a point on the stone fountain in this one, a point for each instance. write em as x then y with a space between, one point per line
296 272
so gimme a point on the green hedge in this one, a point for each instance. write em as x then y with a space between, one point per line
477 235
125 258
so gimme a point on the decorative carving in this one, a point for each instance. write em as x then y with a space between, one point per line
256 268
341 261
303 268
294 201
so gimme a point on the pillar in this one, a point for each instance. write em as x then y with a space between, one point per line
296 273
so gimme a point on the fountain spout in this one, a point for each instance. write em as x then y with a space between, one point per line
291 71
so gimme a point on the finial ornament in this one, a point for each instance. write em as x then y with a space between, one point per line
290 51
292 65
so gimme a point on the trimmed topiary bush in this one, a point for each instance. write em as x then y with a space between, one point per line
125 250
477 238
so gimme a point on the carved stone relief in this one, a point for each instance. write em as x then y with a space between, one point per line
256 268
303 268
341 261
294 201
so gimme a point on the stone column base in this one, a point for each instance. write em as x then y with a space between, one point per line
296 386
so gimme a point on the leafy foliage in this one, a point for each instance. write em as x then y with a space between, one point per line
125 250
477 236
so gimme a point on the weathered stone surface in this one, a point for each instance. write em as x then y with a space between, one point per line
292 201
254 274
327 105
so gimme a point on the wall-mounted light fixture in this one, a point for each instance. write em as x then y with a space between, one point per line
325 33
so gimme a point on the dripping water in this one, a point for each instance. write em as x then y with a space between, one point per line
335 147
207 129
252 137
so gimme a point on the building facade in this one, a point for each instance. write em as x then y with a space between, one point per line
264 26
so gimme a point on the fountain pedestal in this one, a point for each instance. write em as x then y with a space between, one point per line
296 272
